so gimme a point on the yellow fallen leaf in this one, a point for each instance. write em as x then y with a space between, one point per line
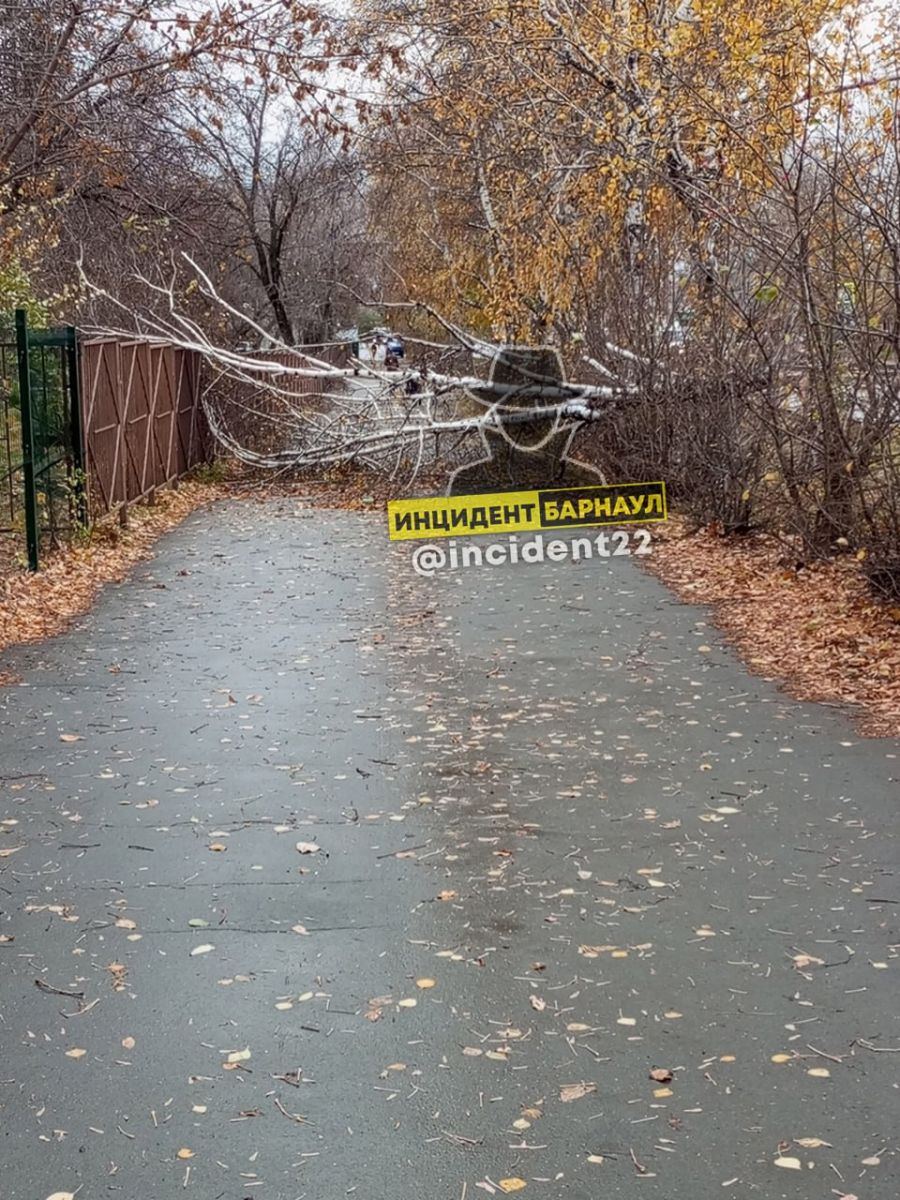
811 1143
217 846
802 961
301 929
819 1072
129 1043
184 1153
284 1005
781 1058
472 1052
307 847
71 737
237 1056
792 1164
521 1124
515 1184
595 1158
76 1053
198 1108
62 1196
497 1055
662 1093
575 1091
410 1003
126 923
205 949
425 984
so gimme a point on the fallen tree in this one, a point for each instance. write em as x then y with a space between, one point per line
386 421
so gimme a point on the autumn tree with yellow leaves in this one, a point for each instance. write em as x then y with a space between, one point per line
699 196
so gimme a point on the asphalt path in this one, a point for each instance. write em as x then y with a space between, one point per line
318 879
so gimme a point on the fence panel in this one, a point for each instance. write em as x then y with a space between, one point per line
143 419
41 460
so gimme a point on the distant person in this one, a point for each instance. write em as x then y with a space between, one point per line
396 346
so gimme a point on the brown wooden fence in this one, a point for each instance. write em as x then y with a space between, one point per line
143 419
144 424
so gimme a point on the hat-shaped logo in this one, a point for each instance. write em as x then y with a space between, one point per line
528 446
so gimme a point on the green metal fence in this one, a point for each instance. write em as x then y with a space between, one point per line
42 492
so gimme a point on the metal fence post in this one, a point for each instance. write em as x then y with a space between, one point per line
31 508
73 369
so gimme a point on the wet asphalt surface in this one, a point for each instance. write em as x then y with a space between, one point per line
549 792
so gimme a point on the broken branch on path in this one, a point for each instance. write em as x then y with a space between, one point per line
53 991
360 414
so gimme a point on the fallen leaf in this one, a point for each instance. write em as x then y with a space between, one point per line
184 1153
811 1143
198 1108
425 984
662 1093
447 895
129 1043
198 923
71 737
237 1056
205 949
576 1091
301 929
792 1164
595 1158
217 846
76 1053
661 1075
801 961
472 1052
308 847
409 1003
62 1196
872 1161
126 923
819 1072
537 1003
781 1058
10 850
515 1184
